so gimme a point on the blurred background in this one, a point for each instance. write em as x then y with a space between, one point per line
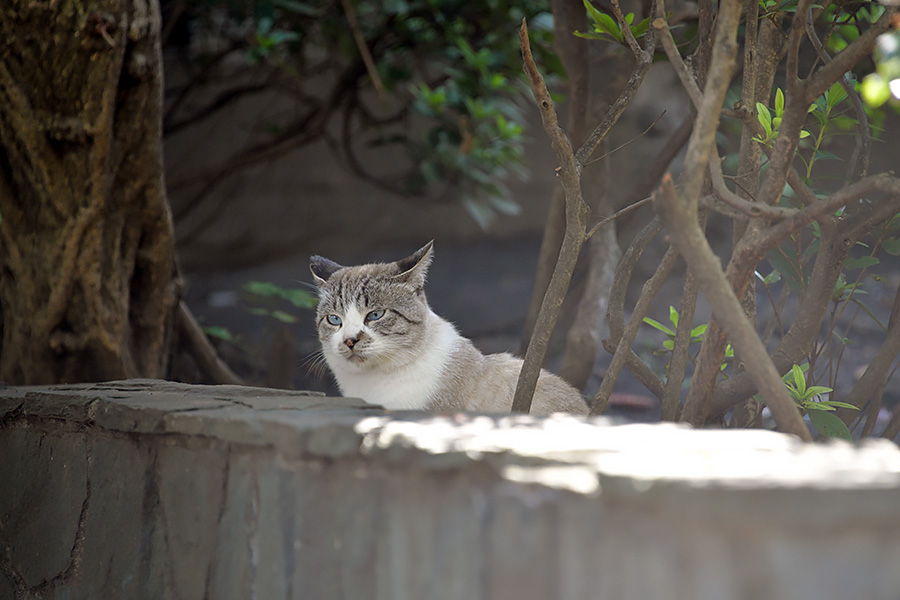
360 131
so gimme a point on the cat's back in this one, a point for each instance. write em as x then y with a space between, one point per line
488 384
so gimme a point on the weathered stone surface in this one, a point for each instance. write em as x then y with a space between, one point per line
146 489
44 483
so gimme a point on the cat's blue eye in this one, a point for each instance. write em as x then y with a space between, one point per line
333 320
374 315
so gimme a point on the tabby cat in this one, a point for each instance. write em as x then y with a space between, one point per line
384 344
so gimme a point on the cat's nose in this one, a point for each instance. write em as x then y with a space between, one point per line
350 342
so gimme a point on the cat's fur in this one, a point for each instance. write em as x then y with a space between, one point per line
409 357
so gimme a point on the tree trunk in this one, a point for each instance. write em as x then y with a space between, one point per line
88 286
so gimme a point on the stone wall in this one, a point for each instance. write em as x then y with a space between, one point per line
146 490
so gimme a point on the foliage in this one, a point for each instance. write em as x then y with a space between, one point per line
696 335
267 300
819 411
607 29
441 94
884 83
266 295
784 154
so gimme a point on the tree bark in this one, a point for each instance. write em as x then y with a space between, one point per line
88 284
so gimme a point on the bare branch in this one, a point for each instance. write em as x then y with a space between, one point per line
577 213
671 401
617 214
624 27
363 48
752 250
684 74
616 310
644 60
629 142
835 245
679 215
859 162
304 131
223 100
745 207
876 374
718 80
623 347
857 50
207 358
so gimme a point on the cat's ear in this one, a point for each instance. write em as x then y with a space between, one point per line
322 268
414 268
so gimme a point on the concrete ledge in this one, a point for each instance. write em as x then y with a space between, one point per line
149 489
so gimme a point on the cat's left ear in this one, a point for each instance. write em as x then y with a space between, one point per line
414 268
322 268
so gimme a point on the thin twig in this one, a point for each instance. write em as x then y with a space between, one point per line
644 60
616 215
858 49
747 208
635 138
363 48
684 74
859 162
623 26
623 348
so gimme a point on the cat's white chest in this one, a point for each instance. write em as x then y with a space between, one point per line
410 386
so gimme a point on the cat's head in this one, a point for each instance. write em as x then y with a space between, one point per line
372 316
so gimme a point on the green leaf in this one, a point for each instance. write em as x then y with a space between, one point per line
593 13
603 23
479 212
641 28
657 325
835 95
799 380
866 310
673 316
222 333
817 390
825 155
829 425
266 289
875 90
862 262
593 36
836 404
812 405
779 102
765 118
505 205
789 268
699 331
891 246
283 316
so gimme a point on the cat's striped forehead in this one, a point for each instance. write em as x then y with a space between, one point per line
363 286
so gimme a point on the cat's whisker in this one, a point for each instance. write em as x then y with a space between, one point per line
314 363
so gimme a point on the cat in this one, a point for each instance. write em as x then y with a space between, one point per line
385 345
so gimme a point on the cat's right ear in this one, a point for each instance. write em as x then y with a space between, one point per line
322 268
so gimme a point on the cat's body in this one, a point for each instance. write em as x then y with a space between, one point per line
385 345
